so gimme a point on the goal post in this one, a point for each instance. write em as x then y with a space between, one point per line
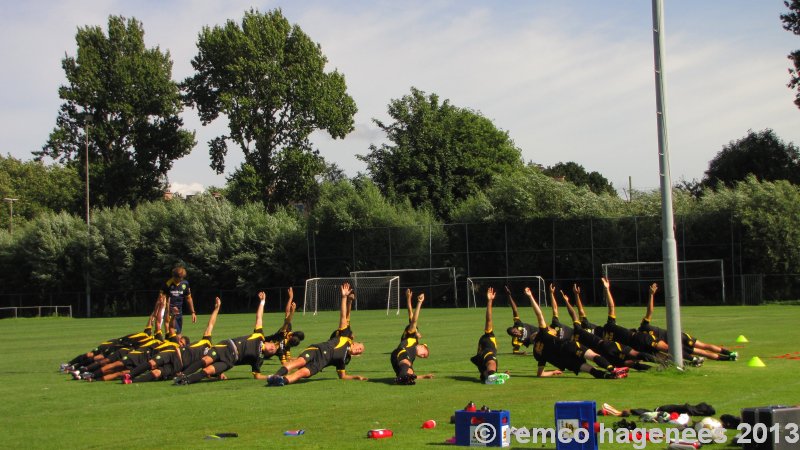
699 280
324 294
438 283
477 286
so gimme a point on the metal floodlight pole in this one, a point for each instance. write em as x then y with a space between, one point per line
87 122
11 212
669 249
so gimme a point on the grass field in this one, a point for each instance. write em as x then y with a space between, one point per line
46 409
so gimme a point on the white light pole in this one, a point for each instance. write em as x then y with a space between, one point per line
87 121
668 246
11 211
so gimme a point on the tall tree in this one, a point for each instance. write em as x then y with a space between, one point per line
123 95
577 175
791 22
440 154
268 78
761 154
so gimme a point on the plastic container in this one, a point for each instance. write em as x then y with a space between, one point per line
429 424
379 433
294 432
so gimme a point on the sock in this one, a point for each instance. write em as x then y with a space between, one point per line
195 377
602 362
725 351
282 372
145 377
194 367
640 366
724 357
92 367
597 373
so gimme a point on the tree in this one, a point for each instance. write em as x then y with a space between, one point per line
267 77
123 95
761 154
577 175
440 154
39 188
791 22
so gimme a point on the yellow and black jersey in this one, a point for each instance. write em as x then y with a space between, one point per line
176 291
546 346
528 331
408 333
334 352
563 332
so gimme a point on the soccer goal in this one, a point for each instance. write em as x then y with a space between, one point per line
15 312
699 281
438 283
324 294
477 286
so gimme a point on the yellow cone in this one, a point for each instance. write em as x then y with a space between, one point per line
741 339
755 361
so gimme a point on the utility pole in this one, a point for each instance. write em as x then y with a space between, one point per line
11 212
87 123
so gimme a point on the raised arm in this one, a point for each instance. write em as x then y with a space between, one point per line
344 310
553 301
513 304
490 294
536 309
408 305
262 299
577 291
288 311
612 310
649 314
415 317
213 319
570 309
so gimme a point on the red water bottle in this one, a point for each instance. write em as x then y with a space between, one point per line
379 433
470 407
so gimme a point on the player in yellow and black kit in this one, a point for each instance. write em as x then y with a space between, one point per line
486 357
566 354
694 349
169 362
617 354
402 358
239 351
285 338
334 352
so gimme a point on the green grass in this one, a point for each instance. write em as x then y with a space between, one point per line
45 409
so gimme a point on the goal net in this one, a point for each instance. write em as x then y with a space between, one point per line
324 294
438 284
700 281
477 287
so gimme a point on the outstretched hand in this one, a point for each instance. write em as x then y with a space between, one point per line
217 303
346 289
653 288
262 296
606 284
490 294
576 289
564 296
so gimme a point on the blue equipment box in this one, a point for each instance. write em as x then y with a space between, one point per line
576 417
483 428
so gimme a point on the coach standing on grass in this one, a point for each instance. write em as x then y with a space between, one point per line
177 291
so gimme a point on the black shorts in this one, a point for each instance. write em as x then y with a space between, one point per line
643 342
135 358
571 357
396 362
315 360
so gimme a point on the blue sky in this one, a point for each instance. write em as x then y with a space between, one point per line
568 80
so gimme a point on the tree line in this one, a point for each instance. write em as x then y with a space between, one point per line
442 163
